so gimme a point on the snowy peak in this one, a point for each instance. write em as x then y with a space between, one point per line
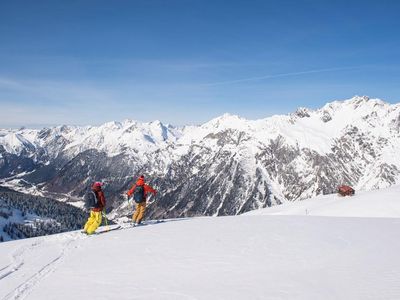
226 121
360 106
112 137
304 125
362 101
302 112
368 115
15 143
111 126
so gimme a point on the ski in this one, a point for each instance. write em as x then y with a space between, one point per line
118 227
151 222
107 230
122 227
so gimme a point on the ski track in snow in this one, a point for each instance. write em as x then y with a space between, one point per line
68 241
17 259
23 290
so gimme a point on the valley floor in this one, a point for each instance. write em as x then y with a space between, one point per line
241 257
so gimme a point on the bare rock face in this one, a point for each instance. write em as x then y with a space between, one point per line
302 112
326 117
224 167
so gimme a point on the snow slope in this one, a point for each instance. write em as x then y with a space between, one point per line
376 203
240 257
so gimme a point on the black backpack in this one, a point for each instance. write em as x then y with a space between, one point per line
90 200
138 194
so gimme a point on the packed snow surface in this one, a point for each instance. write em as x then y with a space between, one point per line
240 257
376 203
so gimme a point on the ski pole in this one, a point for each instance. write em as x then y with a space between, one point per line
105 217
130 206
127 199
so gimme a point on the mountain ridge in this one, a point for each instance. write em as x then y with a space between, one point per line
225 166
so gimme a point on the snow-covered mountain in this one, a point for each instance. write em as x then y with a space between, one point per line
226 166
239 257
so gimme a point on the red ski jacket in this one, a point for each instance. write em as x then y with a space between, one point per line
101 200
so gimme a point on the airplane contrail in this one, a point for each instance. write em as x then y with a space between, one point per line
280 75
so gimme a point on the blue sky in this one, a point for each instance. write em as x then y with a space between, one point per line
187 61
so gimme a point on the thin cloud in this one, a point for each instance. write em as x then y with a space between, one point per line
9 83
53 91
279 75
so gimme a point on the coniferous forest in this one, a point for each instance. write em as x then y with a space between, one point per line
25 216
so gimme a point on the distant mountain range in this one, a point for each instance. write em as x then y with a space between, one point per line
226 166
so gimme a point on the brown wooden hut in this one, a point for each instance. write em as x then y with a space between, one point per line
346 190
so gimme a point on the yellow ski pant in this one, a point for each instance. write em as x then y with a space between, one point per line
139 212
93 222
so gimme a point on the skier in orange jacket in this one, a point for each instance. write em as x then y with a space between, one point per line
139 191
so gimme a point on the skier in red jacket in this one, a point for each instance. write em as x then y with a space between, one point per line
94 220
140 191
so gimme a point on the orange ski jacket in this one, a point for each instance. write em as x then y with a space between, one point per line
147 188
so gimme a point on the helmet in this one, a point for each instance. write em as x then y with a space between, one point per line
97 184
